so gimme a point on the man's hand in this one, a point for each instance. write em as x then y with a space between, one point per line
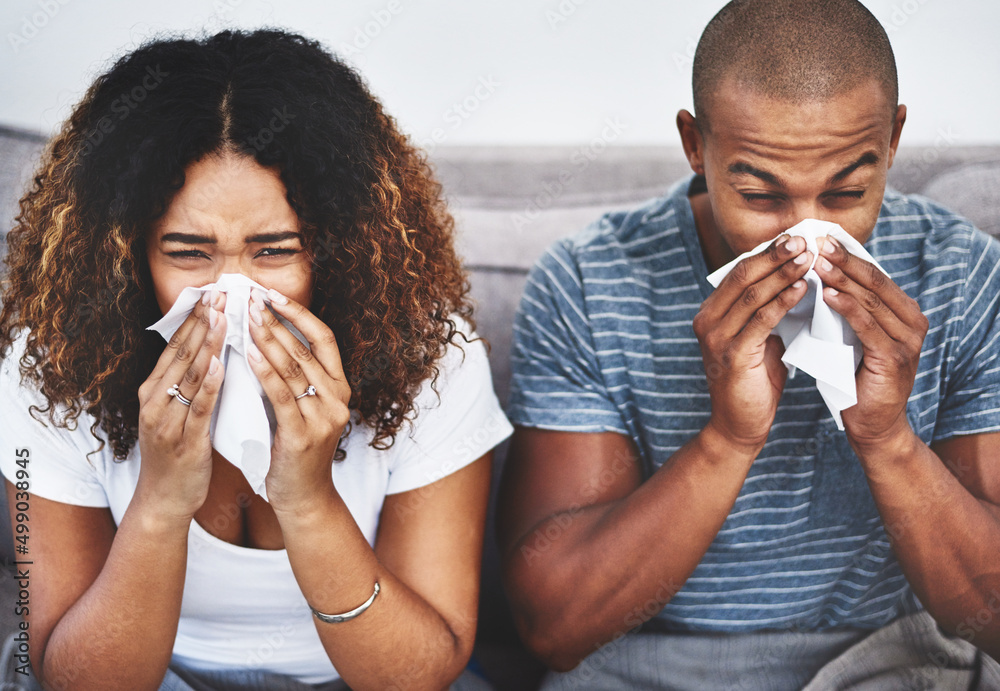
891 329
743 365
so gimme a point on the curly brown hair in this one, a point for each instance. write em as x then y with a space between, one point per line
387 280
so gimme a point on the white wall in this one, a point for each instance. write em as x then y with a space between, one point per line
527 71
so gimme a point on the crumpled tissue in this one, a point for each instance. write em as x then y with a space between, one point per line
817 340
243 423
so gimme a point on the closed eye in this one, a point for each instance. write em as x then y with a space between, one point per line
758 197
277 251
843 199
185 254
266 252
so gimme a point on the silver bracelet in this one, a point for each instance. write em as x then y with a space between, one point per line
346 616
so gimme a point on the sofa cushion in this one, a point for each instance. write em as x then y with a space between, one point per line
972 191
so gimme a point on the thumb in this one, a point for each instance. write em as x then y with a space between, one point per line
776 370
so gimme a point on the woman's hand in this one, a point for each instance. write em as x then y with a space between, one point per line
309 427
173 437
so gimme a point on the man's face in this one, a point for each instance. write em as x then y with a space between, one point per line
770 163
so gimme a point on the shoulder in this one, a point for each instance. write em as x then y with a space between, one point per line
928 244
462 369
66 457
915 220
630 231
617 244
24 401
456 416
461 386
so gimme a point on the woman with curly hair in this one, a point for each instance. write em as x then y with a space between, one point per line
257 162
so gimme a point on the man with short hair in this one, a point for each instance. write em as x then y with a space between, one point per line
667 472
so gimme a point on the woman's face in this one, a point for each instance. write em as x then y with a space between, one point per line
231 216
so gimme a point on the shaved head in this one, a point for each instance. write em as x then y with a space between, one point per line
793 50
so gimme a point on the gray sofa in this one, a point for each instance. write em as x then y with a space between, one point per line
510 203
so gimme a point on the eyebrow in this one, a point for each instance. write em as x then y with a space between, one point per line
260 238
742 168
278 236
869 159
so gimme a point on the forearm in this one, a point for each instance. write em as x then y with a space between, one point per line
400 640
120 633
946 539
644 546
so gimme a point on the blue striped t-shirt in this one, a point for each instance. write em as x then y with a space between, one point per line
603 342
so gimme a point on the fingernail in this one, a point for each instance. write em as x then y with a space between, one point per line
213 317
213 365
830 245
205 297
254 353
825 265
257 296
215 296
277 297
255 314
792 244
802 258
832 292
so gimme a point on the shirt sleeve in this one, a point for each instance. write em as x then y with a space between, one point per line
458 419
971 404
55 458
556 379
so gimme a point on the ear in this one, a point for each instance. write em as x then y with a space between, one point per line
897 129
692 141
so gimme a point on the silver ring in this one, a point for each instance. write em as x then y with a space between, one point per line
310 391
175 392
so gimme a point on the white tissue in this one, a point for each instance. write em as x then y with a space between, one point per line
243 423
817 340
